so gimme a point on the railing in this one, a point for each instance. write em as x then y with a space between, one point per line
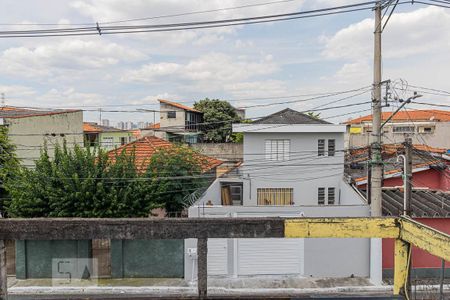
406 232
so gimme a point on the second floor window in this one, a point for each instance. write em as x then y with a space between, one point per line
402 129
171 114
321 196
321 147
275 196
331 147
331 196
277 150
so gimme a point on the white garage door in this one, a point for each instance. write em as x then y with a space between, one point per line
270 256
217 257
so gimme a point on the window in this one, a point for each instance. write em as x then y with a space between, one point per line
331 147
321 147
331 196
277 150
321 196
123 140
426 129
171 114
402 129
108 142
275 196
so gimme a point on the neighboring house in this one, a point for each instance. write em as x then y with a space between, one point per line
293 166
430 167
431 208
105 137
146 146
31 129
240 112
179 123
429 127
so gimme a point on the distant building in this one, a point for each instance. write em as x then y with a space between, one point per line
105 137
179 123
30 129
428 127
105 122
121 125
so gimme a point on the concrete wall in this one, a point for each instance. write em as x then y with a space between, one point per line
166 122
30 133
438 139
301 172
222 151
323 257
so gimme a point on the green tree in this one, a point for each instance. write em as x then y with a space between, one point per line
9 163
313 115
78 183
169 163
218 115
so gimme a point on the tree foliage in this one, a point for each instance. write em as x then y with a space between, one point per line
8 164
80 183
217 116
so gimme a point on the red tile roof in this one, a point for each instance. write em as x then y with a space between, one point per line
178 105
95 128
154 126
415 115
145 147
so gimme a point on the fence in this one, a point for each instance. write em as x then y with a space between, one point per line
405 232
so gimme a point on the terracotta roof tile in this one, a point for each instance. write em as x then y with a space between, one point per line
154 126
94 127
178 105
145 147
415 115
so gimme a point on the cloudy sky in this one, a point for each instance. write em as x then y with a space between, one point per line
273 60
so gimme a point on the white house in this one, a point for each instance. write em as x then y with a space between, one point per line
293 166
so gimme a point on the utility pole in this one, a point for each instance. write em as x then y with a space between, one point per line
376 161
408 176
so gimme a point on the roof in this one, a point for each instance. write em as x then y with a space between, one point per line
154 126
425 203
178 105
289 116
415 115
145 147
18 112
424 158
95 128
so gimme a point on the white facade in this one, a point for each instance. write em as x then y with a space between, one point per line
289 170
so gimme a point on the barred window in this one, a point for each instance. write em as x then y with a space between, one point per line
400 129
277 150
171 114
331 147
275 196
321 147
331 196
321 196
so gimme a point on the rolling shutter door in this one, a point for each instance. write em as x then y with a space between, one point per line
270 256
217 257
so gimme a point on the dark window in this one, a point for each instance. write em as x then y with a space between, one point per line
123 140
321 196
171 114
331 196
321 148
401 129
331 147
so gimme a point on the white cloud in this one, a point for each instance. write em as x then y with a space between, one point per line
74 54
69 97
210 71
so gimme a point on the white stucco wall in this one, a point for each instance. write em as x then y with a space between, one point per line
30 133
178 121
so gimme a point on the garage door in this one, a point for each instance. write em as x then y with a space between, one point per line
217 257
270 256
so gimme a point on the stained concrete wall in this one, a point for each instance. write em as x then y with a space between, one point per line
179 120
30 134
222 151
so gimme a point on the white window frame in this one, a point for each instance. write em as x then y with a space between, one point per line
333 190
321 197
108 142
331 150
321 147
277 149
401 129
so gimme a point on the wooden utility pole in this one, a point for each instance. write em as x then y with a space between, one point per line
376 161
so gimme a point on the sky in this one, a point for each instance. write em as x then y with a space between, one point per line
250 65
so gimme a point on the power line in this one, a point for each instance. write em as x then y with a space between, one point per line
95 30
